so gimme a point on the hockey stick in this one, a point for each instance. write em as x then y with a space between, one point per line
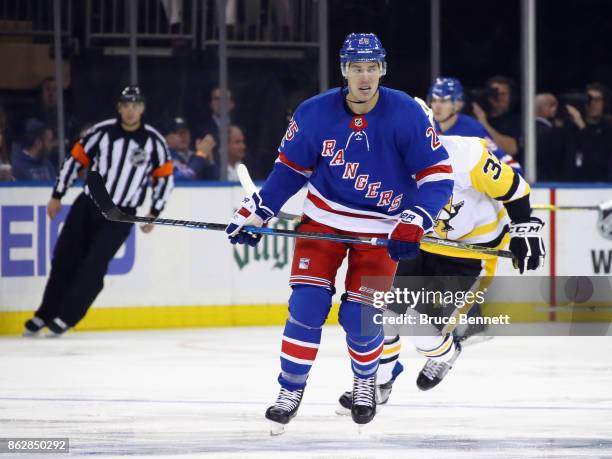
249 186
111 212
604 215
555 208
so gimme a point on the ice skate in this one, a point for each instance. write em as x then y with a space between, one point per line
434 371
383 391
363 408
284 409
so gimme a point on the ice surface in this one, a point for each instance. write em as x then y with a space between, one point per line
194 393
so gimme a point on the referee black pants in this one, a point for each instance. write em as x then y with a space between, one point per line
85 247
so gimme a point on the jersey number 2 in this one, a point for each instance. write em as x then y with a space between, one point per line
435 142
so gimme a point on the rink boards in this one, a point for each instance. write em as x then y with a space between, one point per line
176 277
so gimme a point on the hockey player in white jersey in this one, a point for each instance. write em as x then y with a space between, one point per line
490 207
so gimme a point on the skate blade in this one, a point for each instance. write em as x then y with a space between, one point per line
341 411
276 428
30 334
53 335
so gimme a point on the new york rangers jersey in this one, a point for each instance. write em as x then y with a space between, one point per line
362 170
466 126
476 213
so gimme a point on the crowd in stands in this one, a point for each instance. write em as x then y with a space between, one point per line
29 147
573 134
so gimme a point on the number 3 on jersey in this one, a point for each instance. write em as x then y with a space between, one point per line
492 165
435 142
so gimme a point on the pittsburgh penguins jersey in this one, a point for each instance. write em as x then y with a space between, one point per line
466 126
475 212
362 170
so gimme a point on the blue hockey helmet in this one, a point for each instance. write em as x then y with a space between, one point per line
362 47
446 88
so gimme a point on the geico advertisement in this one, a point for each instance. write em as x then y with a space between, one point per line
170 266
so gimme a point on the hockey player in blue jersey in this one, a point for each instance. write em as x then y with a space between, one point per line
445 98
374 166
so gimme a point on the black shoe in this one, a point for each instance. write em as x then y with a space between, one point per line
33 326
57 327
284 409
434 371
363 408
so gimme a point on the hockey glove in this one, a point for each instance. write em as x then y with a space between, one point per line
406 234
252 213
527 245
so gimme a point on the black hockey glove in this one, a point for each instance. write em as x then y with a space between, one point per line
527 245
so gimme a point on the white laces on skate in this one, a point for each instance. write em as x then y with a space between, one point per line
433 368
364 391
287 399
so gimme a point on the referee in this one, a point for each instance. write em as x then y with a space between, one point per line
130 155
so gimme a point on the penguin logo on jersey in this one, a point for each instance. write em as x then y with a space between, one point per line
448 212
138 156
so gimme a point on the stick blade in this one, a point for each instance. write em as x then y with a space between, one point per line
245 179
98 192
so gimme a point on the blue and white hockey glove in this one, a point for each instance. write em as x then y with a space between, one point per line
252 213
406 234
527 245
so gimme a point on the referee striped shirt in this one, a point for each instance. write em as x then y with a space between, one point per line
127 160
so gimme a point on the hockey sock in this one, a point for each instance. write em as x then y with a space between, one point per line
308 310
363 337
435 347
388 359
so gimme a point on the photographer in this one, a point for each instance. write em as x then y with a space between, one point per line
504 126
587 112
556 139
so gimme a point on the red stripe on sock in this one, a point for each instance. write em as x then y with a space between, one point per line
367 358
297 351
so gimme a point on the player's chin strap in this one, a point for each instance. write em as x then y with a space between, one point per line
361 101
447 118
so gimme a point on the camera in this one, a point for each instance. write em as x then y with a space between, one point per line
576 99
481 97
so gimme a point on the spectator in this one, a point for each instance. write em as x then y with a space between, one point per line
504 126
236 151
32 161
189 164
592 161
445 97
45 111
210 124
596 138
552 145
6 170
